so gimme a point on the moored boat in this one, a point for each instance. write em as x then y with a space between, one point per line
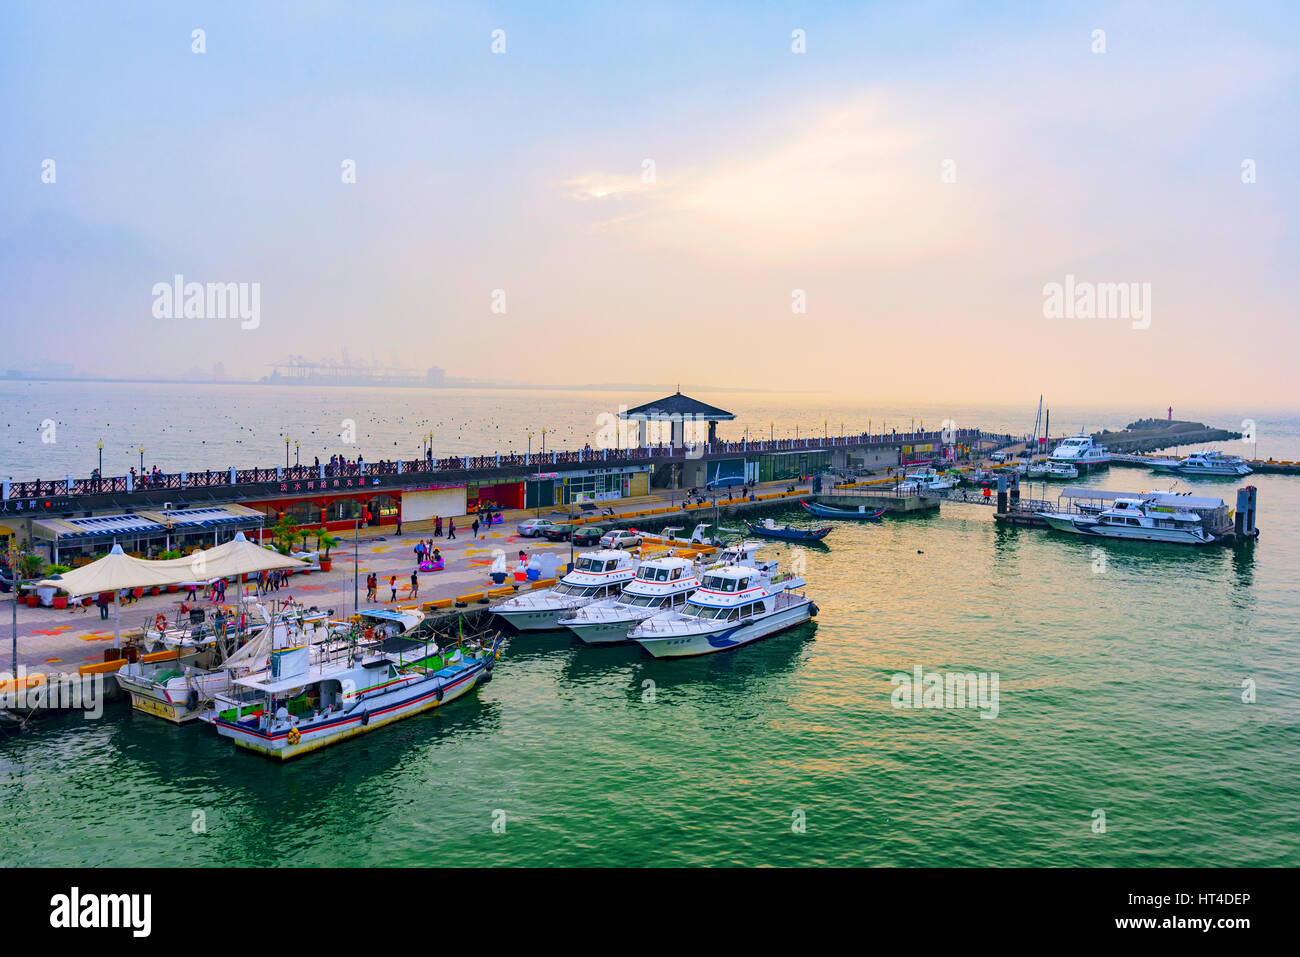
769 529
829 511
595 575
1144 518
735 605
1208 464
1081 452
295 706
661 583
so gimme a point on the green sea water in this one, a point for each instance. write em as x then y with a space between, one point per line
1121 675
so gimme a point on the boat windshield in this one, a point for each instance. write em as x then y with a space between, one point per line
577 591
720 583
594 564
649 573
704 611
645 601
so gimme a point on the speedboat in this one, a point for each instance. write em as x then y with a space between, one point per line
297 706
595 575
926 480
1214 464
1081 452
735 604
661 583
1138 519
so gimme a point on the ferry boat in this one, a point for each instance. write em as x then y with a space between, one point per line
1212 464
661 583
595 575
295 706
1140 519
206 660
1081 452
735 604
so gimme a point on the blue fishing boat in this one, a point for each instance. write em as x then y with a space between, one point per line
827 511
769 529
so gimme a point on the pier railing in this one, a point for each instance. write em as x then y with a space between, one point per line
430 466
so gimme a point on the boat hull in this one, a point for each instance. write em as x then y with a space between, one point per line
827 511
535 619
171 701
1090 527
602 632
724 638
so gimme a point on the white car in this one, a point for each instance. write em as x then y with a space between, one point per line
533 527
999 456
620 538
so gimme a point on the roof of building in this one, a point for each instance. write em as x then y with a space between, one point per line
678 404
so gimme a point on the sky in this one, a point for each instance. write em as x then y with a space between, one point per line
663 192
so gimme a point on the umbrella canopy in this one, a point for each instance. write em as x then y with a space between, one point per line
113 572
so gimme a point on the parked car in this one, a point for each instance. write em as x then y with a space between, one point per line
999 456
588 535
620 538
531 528
559 531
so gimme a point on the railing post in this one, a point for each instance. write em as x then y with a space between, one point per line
466 461
130 486
322 471
232 476
279 475
399 466
4 491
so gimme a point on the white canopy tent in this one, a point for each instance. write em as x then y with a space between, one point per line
117 570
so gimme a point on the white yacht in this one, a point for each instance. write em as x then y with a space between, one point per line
1141 519
926 480
595 575
660 583
735 604
1080 452
1214 464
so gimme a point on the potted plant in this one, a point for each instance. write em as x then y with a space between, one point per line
326 541
59 597
31 566
167 556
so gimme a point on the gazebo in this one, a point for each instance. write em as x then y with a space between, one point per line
677 409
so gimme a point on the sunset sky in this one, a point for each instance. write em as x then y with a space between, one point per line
774 171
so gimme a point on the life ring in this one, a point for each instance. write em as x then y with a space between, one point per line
294 735
160 623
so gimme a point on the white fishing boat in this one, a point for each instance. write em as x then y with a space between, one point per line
595 575
297 706
1080 452
925 480
661 583
208 657
1209 464
1148 518
735 605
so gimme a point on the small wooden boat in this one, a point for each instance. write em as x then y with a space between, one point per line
770 529
828 511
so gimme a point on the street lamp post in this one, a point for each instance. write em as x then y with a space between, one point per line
296 460
100 445
286 451
142 461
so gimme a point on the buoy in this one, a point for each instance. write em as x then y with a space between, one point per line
294 736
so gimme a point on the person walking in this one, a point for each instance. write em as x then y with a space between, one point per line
415 585
437 527
102 602
475 528
372 587
419 551
451 529
392 583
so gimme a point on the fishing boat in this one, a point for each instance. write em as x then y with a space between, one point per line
769 529
1144 518
735 605
207 658
297 706
661 582
830 511
595 575
1080 452
1208 464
